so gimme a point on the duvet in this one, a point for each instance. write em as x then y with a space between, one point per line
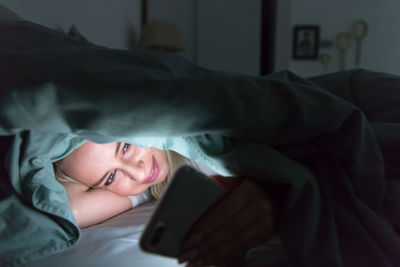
333 140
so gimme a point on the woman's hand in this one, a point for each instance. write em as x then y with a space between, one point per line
244 219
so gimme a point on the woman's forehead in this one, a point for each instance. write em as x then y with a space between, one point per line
94 150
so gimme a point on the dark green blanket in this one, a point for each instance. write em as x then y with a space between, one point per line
334 140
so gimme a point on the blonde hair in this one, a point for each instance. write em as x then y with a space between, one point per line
175 160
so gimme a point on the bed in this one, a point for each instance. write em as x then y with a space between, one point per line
114 242
333 140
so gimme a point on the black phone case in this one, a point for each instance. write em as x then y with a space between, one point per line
186 199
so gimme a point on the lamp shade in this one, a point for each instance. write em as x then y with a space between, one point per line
161 35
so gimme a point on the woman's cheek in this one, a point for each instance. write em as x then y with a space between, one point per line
127 187
122 187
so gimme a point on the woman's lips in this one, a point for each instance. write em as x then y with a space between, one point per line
153 172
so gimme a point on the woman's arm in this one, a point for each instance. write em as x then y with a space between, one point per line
92 206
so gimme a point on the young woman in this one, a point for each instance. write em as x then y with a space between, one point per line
99 178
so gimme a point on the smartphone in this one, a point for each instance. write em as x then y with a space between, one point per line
189 195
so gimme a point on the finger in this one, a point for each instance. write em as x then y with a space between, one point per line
257 233
215 226
229 246
253 219
203 245
247 199
225 255
232 204
237 248
232 228
237 221
201 235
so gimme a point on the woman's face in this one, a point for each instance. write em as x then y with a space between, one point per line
118 167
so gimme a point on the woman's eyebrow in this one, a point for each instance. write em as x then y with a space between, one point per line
118 145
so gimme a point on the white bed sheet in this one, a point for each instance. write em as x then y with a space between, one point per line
114 242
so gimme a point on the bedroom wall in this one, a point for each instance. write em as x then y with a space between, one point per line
183 14
218 34
103 22
282 35
229 35
380 49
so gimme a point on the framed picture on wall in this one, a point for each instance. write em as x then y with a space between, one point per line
305 42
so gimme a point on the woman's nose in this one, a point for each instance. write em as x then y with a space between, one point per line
135 165
136 170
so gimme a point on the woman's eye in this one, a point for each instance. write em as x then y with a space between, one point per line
110 179
125 148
